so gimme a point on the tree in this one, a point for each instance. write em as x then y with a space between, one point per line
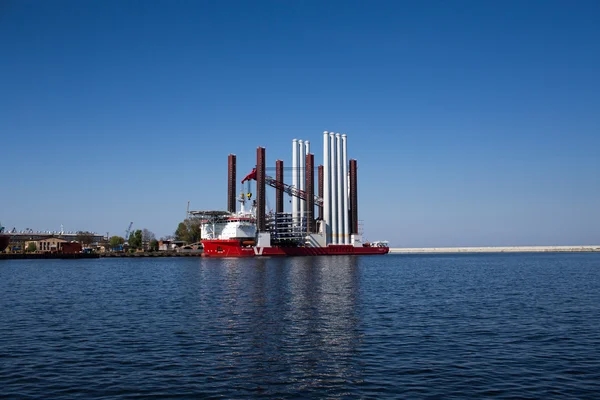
194 231
181 232
31 247
153 245
147 236
84 238
135 240
116 242
189 230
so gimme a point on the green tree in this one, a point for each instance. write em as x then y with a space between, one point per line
135 240
194 231
153 245
31 247
189 230
181 231
116 241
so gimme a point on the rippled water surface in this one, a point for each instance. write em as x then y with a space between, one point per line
444 326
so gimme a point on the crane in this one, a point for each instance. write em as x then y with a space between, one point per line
289 189
128 231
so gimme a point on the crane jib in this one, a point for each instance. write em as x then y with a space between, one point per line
291 190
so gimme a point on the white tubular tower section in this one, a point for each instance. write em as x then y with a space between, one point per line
301 180
326 189
340 189
294 179
333 183
346 203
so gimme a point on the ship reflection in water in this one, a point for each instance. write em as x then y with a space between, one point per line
291 323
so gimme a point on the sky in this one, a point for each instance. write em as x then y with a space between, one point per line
474 123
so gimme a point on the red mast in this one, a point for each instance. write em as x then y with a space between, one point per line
279 191
231 189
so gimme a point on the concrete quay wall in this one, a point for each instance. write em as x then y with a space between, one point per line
504 249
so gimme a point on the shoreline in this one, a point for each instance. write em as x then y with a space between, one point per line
393 250
49 256
35 256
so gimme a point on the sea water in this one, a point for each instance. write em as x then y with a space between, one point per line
445 326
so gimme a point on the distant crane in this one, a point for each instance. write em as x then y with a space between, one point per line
128 231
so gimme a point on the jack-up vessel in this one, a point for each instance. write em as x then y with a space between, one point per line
251 231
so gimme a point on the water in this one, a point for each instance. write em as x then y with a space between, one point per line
452 326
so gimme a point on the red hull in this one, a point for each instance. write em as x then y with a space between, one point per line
233 248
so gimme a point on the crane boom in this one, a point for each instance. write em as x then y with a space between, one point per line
128 231
291 190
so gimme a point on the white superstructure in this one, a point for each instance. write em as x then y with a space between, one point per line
231 228
224 225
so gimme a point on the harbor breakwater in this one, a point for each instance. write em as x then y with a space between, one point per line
496 249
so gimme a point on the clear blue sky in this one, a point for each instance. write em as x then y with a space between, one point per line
473 122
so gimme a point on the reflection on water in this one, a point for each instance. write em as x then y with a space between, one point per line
289 321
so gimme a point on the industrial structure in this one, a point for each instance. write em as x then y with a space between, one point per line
20 239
